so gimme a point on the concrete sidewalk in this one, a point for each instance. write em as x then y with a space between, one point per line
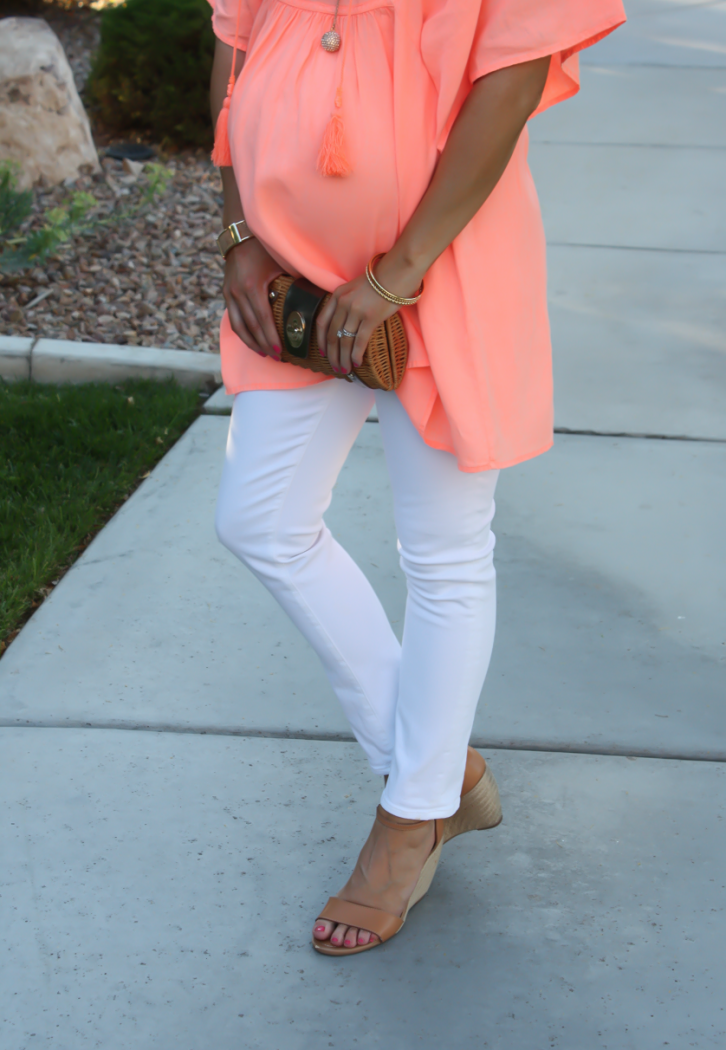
180 790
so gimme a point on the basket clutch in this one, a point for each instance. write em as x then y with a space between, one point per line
296 304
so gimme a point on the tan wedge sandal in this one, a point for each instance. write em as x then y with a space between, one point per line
480 806
382 923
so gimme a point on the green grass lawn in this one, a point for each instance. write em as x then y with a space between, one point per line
69 457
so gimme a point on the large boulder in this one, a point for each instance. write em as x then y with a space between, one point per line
43 125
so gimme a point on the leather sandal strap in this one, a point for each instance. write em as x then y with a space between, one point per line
379 922
389 821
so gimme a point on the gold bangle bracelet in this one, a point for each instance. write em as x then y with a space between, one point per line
399 300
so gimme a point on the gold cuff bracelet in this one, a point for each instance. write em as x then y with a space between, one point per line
234 234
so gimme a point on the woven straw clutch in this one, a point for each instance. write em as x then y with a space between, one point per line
296 303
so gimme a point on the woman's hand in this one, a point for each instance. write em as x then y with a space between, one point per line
249 269
357 308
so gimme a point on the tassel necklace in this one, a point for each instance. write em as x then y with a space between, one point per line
331 40
332 160
221 154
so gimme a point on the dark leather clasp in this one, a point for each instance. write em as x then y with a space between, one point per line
302 303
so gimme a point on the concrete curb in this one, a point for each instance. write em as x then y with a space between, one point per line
62 361
219 404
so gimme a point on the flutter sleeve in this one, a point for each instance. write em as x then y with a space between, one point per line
513 31
224 20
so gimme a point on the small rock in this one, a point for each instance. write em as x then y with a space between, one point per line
133 167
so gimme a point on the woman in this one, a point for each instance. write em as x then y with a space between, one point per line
407 139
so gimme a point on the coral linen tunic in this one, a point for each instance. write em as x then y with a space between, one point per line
479 378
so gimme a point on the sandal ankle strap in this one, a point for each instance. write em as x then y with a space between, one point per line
389 821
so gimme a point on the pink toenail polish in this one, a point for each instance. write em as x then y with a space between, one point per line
320 929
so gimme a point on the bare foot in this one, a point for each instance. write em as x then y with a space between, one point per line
384 877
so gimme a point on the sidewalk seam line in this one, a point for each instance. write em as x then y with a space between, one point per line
348 738
639 437
650 65
636 248
30 357
622 145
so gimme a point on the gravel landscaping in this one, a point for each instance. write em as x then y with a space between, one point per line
154 280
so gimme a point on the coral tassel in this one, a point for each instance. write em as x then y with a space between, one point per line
332 159
221 154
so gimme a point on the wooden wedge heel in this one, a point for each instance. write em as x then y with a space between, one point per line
382 923
480 806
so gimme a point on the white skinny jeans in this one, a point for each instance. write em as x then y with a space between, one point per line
411 706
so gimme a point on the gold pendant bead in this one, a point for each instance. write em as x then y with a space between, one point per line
330 40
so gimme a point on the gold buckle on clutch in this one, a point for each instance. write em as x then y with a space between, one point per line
295 329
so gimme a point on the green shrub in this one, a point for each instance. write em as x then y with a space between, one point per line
23 251
153 67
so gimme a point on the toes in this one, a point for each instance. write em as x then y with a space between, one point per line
364 937
337 935
323 929
341 936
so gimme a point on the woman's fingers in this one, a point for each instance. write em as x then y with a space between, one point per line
339 347
261 305
363 335
240 329
249 270
322 323
254 324
352 348
346 347
357 309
